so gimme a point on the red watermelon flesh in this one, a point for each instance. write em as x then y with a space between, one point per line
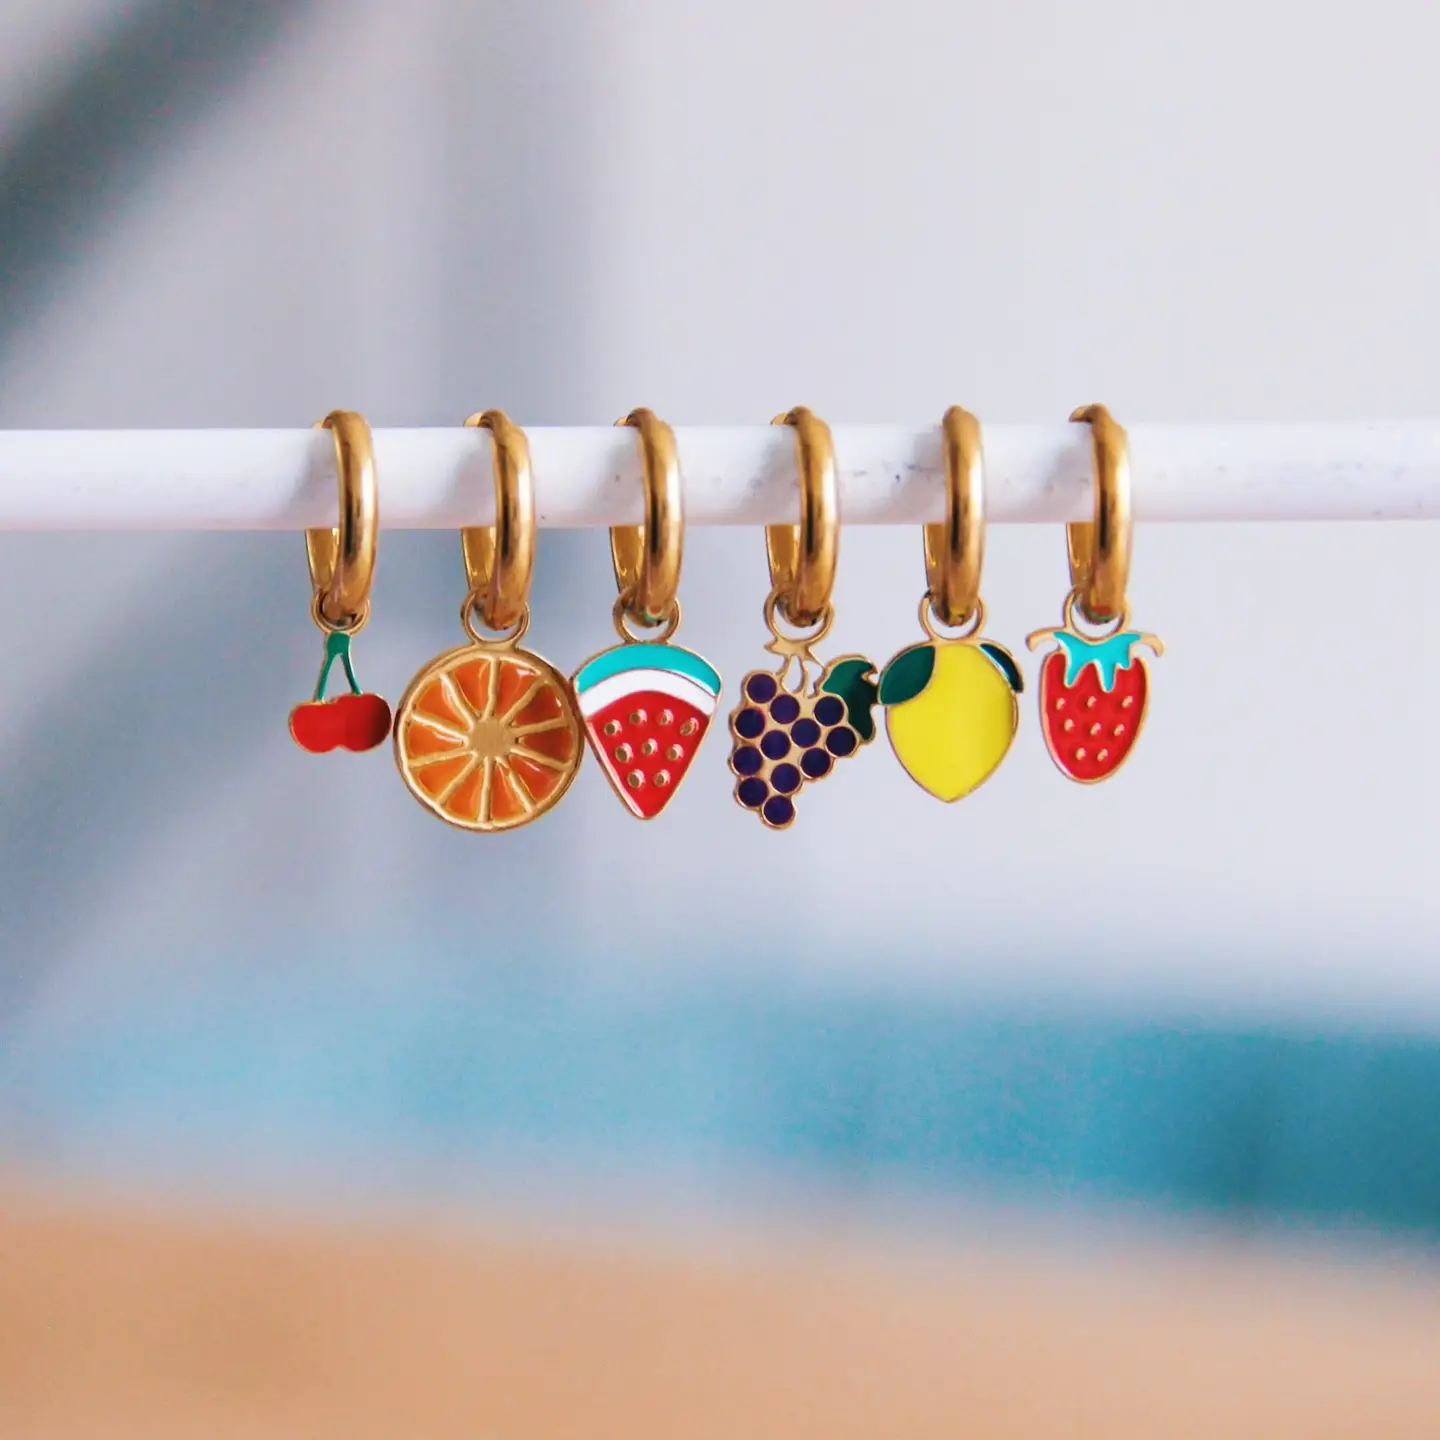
646 741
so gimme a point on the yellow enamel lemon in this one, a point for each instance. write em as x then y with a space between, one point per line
951 713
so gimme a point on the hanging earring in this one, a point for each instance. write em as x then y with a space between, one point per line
342 568
950 706
785 738
646 704
1094 688
486 735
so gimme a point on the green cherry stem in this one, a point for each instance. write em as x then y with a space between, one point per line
337 647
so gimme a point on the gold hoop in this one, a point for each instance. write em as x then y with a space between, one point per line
802 557
1100 548
955 550
647 557
499 558
342 560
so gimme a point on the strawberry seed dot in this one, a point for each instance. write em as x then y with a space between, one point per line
1069 725
1103 755
1060 703
1095 728
1080 753
1118 731
1089 705
1127 702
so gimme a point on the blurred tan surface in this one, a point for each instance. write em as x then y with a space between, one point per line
129 1323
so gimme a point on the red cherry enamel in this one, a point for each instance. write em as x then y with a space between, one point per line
350 722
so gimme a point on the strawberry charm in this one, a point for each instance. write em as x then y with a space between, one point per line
1094 688
1093 694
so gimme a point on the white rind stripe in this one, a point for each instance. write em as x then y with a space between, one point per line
597 697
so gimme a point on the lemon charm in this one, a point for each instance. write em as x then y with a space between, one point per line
950 708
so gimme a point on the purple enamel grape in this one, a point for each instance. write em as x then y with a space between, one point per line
785 709
751 793
841 741
750 724
778 811
829 710
761 688
747 760
816 764
776 744
805 732
785 778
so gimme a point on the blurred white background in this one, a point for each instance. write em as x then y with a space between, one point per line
1226 212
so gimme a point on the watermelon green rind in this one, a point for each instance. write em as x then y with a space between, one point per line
907 674
603 693
654 656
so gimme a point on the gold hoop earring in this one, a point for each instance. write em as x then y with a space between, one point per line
342 571
1094 689
486 735
950 702
784 738
647 704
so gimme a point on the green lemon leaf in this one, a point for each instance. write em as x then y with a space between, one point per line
849 678
907 674
1006 661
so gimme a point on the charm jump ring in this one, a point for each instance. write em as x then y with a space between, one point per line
342 560
1100 548
802 557
499 558
647 557
955 550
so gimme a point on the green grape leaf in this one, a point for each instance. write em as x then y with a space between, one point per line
907 674
849 678
1006 661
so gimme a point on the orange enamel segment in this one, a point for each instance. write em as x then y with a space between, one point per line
515 680
558 744
535 778
504 803
473 678
464 802
431 701
421 740
433 779
546 705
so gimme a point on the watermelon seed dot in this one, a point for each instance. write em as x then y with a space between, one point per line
637 717
622 753
666 717
649 748
612 727
688 728
662 778
674 753
635 779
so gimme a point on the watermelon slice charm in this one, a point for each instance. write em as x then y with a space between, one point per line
1094 690
646 707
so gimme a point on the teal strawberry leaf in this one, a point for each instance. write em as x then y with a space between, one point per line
907 674
1107 656
850 680
1006 661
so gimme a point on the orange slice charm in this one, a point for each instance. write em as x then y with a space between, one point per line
487 737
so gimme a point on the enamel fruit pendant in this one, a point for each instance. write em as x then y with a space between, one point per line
793 725
1093 694
356 721
645 703
950 706
486 735
784 739
950 709
342 570
1094 688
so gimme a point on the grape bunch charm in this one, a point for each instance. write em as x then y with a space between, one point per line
786 736
786 739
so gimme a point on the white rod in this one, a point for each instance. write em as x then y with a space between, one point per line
440 478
